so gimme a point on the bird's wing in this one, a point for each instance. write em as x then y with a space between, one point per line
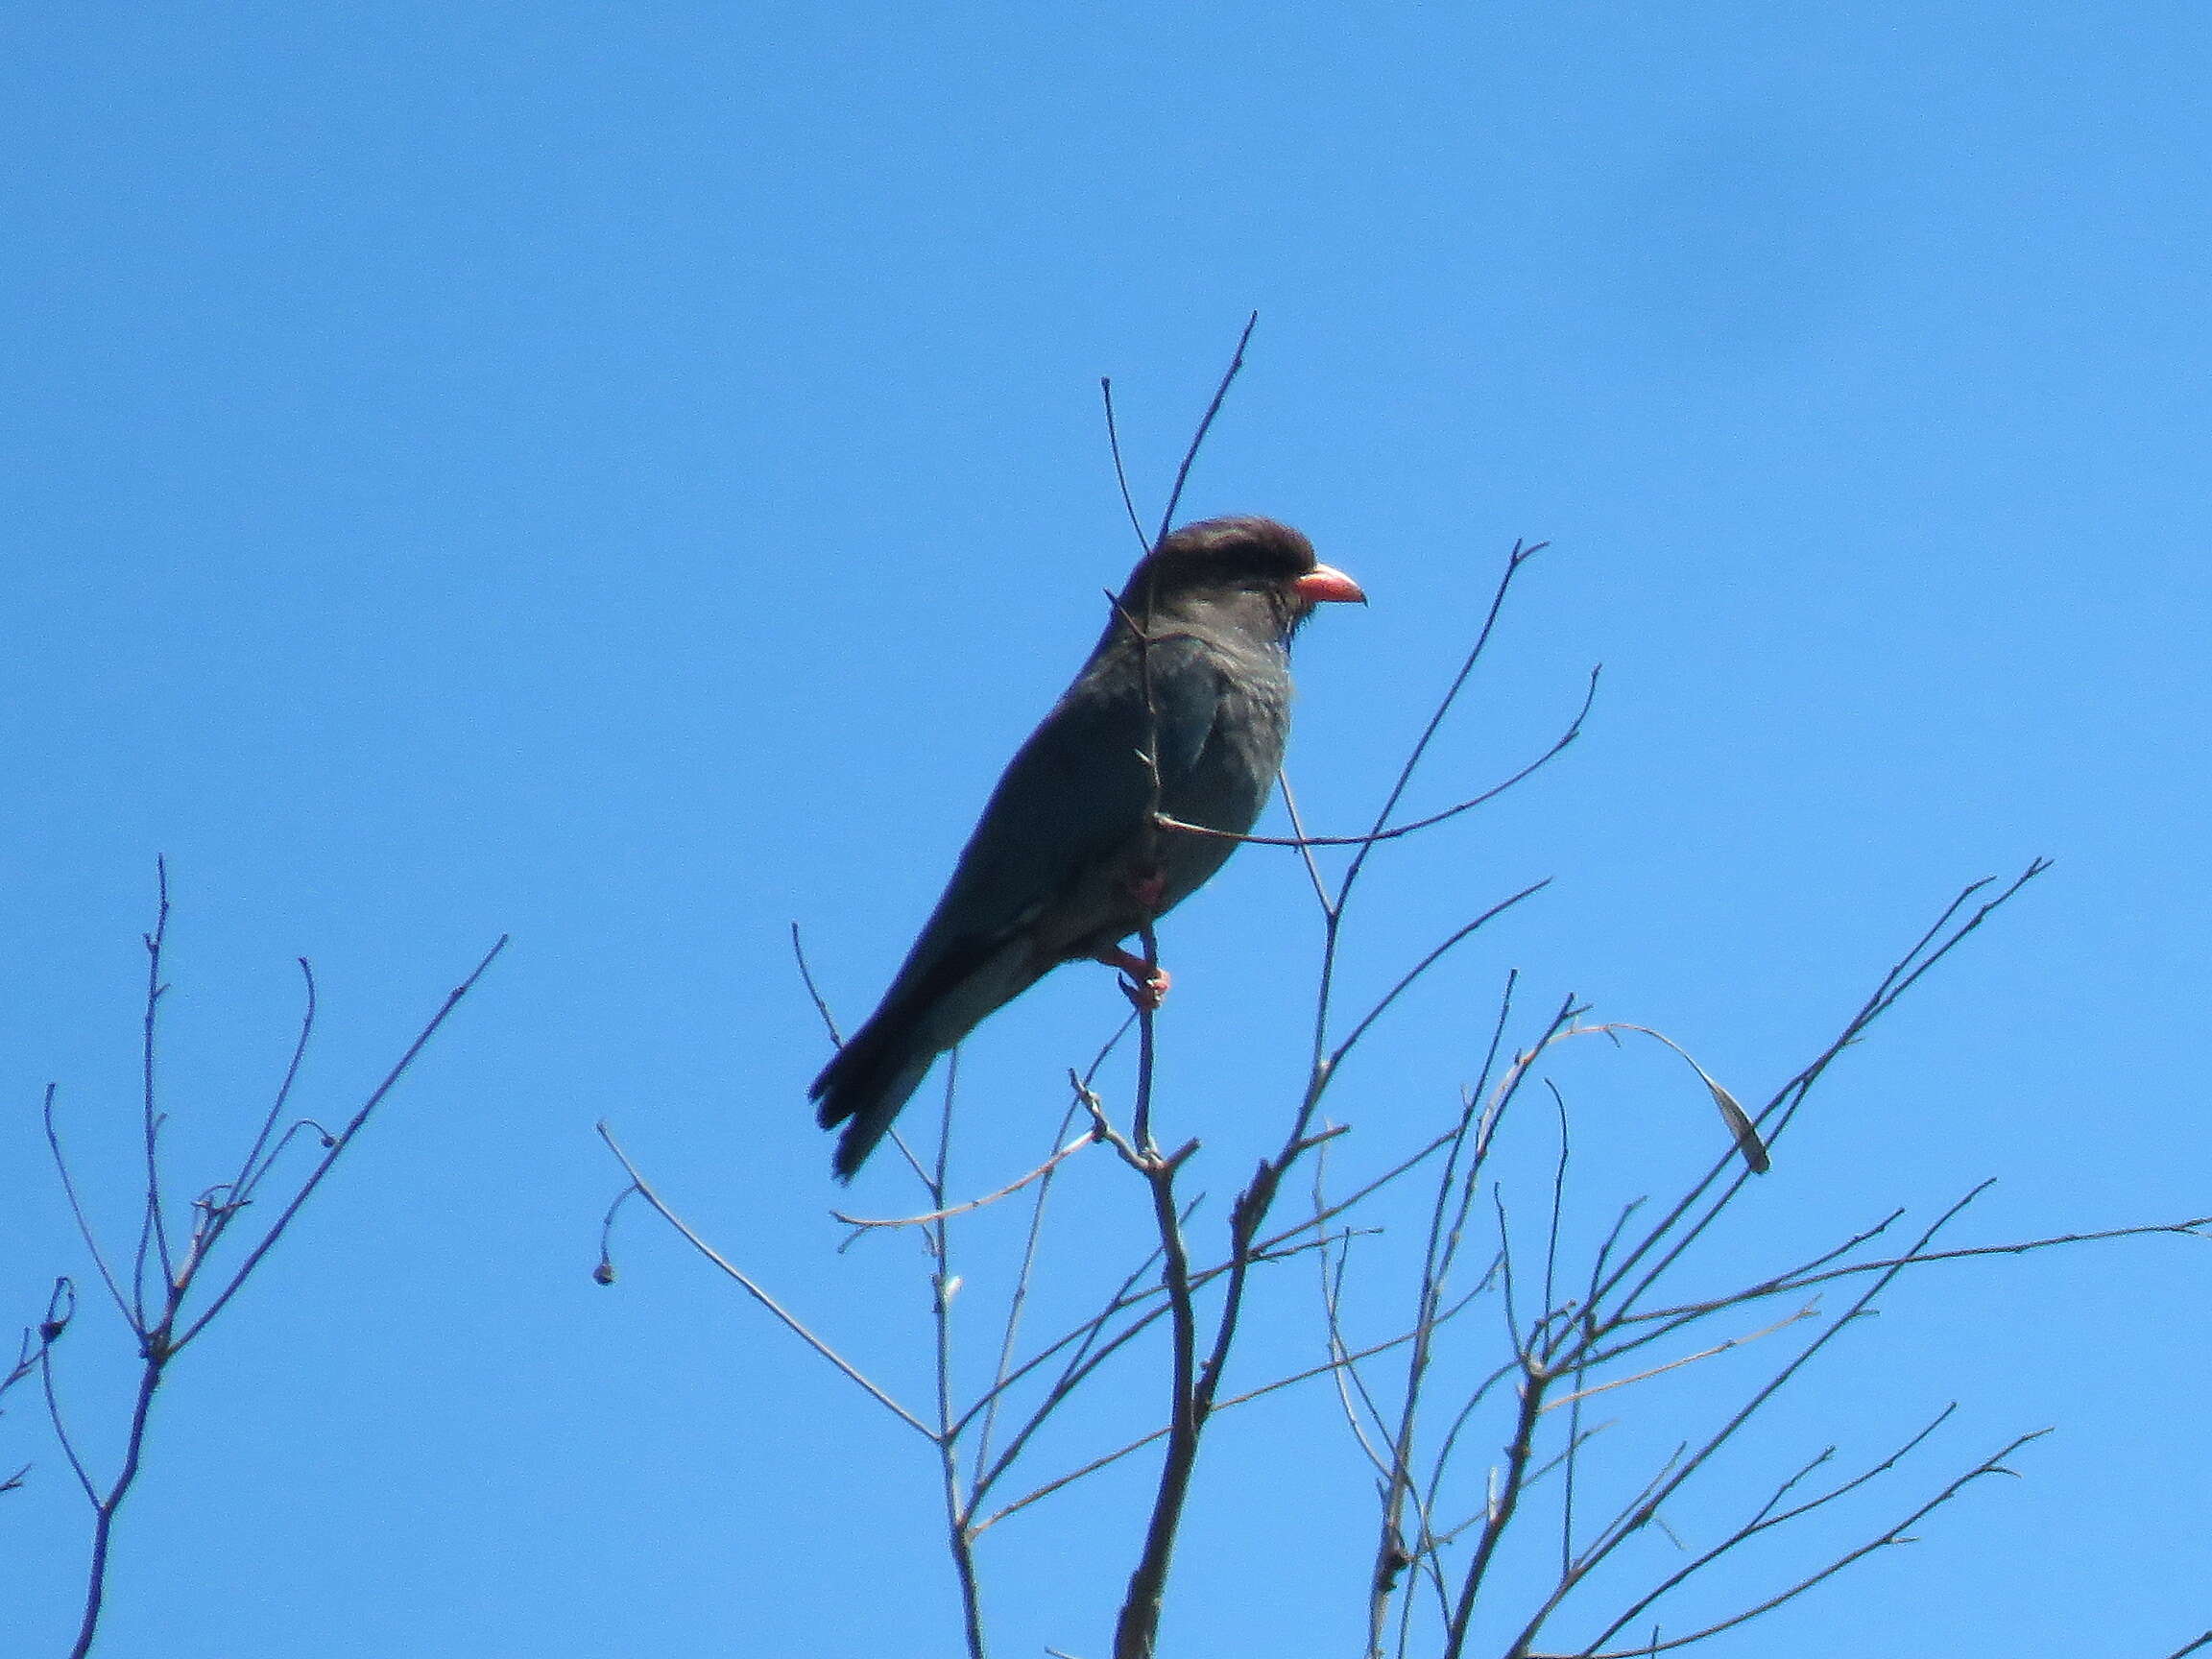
1074 795
1070 804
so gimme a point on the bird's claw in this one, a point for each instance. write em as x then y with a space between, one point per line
1146 993
1146 984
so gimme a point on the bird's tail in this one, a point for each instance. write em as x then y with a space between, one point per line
867 1083
923 1015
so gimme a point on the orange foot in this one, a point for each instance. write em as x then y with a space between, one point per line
1146 984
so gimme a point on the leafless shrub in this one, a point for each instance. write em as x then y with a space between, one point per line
187 1261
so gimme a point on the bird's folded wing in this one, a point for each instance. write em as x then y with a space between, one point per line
1076 795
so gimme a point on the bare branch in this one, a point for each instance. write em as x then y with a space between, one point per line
1088 1139
1017 1302
1933 947
153 1234
123 1304
944 1283
338 1143
1304 843
1377 837
1896 1534
1808 1312
60 1427
1611 1537
1414 973
745 1283
251 1168
1061 1482
1798 1280
1514 561
1770 1516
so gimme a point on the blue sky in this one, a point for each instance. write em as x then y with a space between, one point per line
627 476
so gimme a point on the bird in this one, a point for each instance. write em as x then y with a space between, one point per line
1180 713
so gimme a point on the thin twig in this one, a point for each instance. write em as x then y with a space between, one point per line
1678 1234
814 991
789 1321
1808 1312
251 1168
1514 561
1304 842
1610 1538
1392 1554
153 1228
1411 976
1770 1516
1121 473
966 1205
123 1305
1896 1534
943 1284
1397 831
1205 425
2194 1228
1063 1482
1017 1302
338 1144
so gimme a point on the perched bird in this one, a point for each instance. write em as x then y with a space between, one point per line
1068 860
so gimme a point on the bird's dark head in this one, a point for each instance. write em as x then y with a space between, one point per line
1258 573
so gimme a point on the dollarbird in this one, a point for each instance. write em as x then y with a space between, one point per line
1181 712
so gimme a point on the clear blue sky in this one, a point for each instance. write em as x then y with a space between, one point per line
627 475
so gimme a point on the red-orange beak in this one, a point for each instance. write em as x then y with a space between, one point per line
1323 584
